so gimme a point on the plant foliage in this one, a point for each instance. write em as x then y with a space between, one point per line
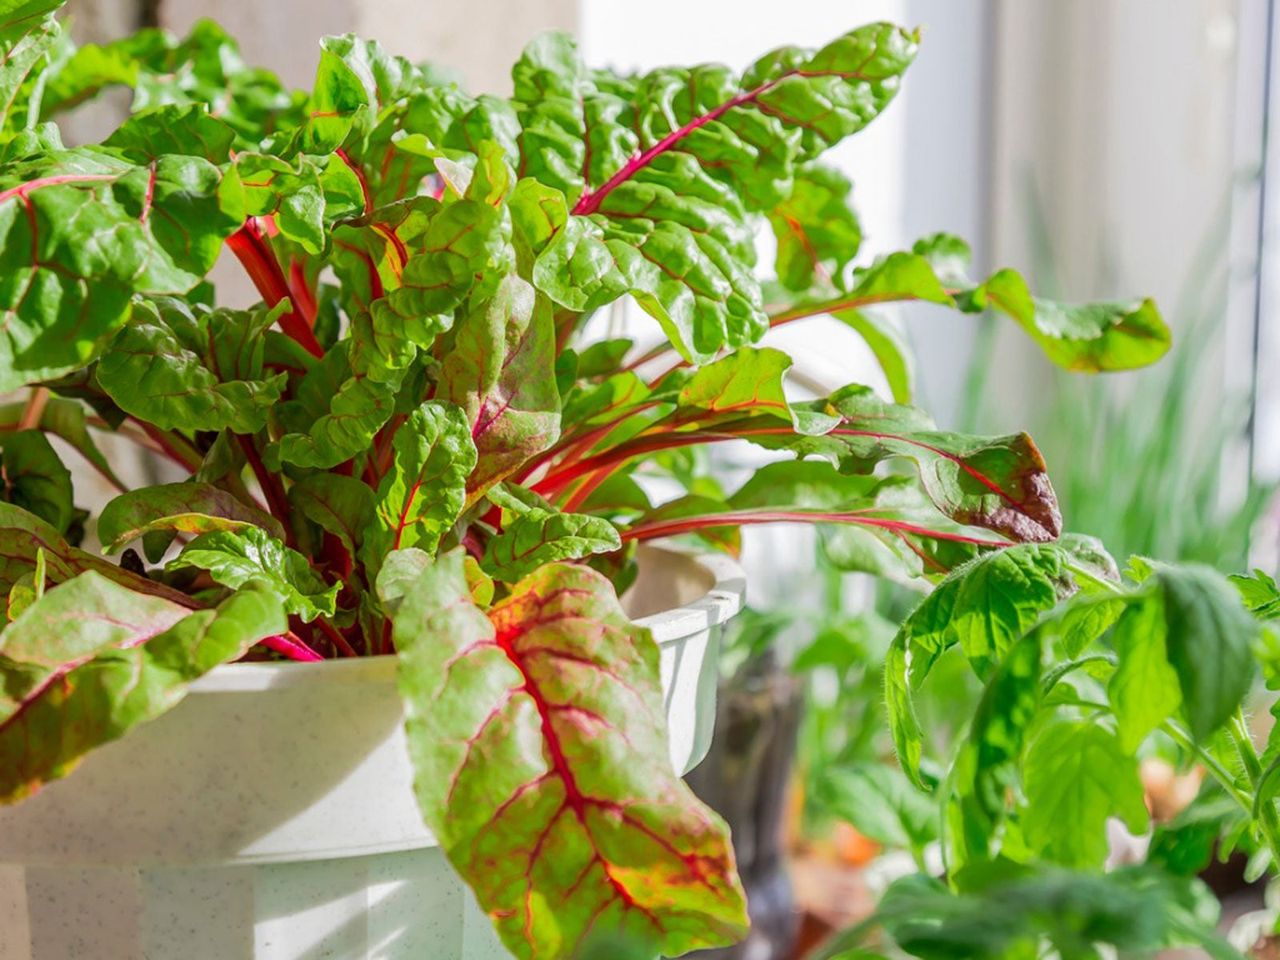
409 445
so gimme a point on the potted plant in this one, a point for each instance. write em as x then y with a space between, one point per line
411 447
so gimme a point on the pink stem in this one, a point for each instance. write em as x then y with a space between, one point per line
291 647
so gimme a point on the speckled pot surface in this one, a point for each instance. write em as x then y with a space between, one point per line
270 815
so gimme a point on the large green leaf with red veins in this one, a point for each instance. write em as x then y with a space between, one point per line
497 373
82 231
421 496
669 165
203 68
90 660
747 383
816 229
181 366
35 479
539 739
192 508
999 483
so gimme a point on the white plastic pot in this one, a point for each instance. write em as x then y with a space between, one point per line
270 815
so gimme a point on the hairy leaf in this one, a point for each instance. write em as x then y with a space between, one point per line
1076 776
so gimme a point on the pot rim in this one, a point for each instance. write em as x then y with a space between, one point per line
722 601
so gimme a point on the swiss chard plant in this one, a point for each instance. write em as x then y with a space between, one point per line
411 446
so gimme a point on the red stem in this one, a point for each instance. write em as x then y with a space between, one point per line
271 488
336 638
290 646
738 518
254 252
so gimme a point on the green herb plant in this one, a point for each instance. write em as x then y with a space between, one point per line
408 446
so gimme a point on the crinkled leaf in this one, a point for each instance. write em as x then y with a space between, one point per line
564 826
670 163
186 130
28 36
1260 594
986 605
235 558
193 508
91 659
35 479
546 536
497 373
423 493
180 366
1076 776
83 231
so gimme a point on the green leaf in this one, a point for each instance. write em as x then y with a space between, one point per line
83 227
342 506
194 508
28 37
497 373
563 826
816 230
66 420
27 543
987 766
250 555
1259 593
35 478
185 130
423 493
1209 638
184 367
999 483
1144 689
1076 776
204 68
91 659
545 536
334 415
1089 337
